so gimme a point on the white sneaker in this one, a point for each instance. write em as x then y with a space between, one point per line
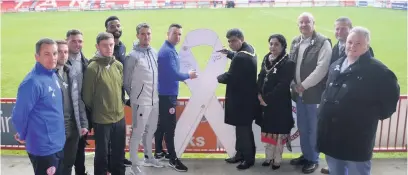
138 162
136 170
153 163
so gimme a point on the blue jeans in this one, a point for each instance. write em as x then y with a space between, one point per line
343 167
307 125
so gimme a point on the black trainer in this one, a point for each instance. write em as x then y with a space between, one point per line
177 165
166 156
162 155
309 168
299 161
127 163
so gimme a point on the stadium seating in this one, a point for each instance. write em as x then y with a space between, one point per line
15 5
24 4
46 5
8 5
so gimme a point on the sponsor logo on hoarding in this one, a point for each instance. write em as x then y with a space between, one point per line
362 3
399 5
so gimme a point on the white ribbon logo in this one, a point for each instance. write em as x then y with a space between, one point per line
203 101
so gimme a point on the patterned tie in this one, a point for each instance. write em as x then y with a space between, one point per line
341 50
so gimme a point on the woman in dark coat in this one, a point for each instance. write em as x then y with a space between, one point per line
275 98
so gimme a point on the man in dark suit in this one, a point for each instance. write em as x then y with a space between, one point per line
241 96
342 25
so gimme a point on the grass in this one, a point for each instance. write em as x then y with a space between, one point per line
20 32
396 155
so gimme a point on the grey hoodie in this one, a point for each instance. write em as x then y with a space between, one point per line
140 75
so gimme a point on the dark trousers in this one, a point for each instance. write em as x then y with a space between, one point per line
51 164
245 143
115 133
80 156
70 149
110 150
166 125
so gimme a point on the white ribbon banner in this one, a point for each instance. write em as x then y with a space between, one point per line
203 101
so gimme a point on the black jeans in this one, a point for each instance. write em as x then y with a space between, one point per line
245 143
115 133
70 147
166 125
80 157
50 164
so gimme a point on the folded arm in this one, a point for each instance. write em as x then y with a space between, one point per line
284 81
323 62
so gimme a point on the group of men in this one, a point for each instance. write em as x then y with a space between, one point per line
65 96
334 88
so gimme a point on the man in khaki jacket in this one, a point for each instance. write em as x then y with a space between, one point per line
102 95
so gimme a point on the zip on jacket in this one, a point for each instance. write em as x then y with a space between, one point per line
169 66
38 113
101 91
140 75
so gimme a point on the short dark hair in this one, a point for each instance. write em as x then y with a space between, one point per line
61 42
103 36
41 42
346 20
110 18
142 25
73 32
235 32
175 25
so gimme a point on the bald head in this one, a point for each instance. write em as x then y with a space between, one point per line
306 15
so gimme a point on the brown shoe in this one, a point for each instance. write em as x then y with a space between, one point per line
325 170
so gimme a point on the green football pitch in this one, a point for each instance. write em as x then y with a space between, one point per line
20 31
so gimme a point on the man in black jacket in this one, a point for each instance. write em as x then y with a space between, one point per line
342 25
241 96
77 61
360 91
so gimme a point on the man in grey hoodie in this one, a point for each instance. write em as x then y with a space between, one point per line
140 82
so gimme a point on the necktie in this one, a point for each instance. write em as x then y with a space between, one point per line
341 50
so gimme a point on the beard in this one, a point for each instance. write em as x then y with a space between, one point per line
117 34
